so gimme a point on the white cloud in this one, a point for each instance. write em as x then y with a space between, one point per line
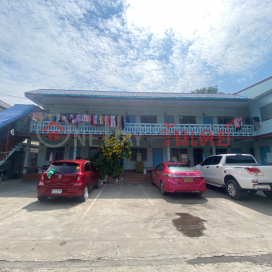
138 46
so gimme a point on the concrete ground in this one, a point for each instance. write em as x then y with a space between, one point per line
133 227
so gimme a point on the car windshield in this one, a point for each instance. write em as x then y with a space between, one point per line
240 159
65 167
179 168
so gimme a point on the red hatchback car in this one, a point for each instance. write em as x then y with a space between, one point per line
178 177
72 178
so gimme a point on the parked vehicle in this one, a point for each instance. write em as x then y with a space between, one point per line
71 178
239 173
178 177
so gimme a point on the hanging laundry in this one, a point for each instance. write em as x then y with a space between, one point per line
113 123
238 123
50 117
58 117
79 118
104 120
101 120
109 120
119 125
123 122
37 115
69 118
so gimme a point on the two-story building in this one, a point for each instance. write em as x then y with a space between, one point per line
158 123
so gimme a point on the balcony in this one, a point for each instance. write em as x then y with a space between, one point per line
141 128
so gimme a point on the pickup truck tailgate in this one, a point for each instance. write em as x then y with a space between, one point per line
267 174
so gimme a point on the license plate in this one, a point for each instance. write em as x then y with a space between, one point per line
56 191
188 179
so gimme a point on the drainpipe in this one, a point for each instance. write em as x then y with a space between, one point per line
27 151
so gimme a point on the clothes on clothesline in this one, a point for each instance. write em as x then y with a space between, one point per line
114 121
238 123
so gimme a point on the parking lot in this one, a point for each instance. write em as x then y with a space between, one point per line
133 225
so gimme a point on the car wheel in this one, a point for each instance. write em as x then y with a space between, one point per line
42 198
233 189
162 189
97 184
268 193
85 195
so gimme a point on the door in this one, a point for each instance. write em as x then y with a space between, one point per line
263 152
95 174
157 156
207 120
215 170
205 168
198 152
88 173
157 174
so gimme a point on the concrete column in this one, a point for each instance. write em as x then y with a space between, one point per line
213 148
75 149
27 152
168 153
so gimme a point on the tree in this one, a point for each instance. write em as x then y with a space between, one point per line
209 90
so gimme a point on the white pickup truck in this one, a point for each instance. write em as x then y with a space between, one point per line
239 173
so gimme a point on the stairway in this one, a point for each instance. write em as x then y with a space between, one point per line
7 149
133 177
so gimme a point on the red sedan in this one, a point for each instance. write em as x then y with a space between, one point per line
178 177
71 178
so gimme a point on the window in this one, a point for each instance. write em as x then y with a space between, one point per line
148 118
180 168
134 152
266 112
58 153
71 154
248 121
130 118
93 167
224 119
240 159
92 151
177 152
216 160
87 167
221 151
160 167
169 119
208 161
187 120
65 167
236 151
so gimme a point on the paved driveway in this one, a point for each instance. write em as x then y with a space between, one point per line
133 226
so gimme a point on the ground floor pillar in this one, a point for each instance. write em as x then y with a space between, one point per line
27 152
168 153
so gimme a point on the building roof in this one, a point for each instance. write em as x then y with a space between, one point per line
260 82
13 113
4 105
115 94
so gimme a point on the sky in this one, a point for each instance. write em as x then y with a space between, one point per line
133 45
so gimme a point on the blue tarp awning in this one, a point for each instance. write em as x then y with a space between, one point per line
11 114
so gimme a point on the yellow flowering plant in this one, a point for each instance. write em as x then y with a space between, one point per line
115 148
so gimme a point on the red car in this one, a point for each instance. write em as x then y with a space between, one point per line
72 178
178 177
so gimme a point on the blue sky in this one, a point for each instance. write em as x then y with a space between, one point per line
133 45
